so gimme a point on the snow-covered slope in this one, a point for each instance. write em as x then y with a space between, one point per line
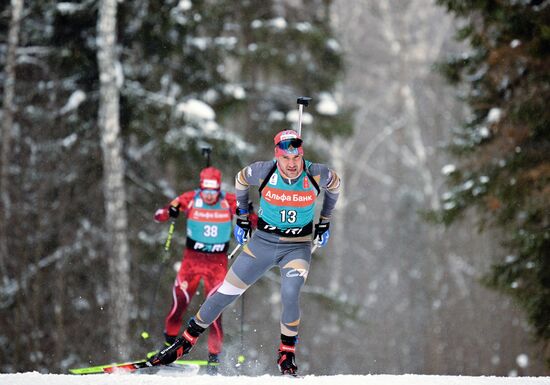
34 378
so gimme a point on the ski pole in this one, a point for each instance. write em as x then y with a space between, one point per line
234 251
206 151
164 259
315 246
241 358
302 101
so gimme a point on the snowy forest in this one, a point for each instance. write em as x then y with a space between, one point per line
433 112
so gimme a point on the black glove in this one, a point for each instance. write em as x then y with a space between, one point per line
322 233
243 230
174 211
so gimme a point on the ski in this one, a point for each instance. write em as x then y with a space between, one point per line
130 366
127 367
144 367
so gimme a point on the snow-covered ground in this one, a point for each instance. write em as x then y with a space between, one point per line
34 378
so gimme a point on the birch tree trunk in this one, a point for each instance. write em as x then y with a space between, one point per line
113 168
8 109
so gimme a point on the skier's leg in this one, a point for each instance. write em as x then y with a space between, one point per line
213 279
256 258
185 286
294 270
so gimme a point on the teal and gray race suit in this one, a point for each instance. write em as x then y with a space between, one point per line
283 238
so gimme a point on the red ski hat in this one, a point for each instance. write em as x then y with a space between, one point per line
211 178
288 142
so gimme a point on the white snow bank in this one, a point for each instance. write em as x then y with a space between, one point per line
34 378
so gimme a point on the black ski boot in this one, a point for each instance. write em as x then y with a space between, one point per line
286 360
181 346
212 365
168 340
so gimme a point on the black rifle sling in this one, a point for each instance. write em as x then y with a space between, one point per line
267 177
313 181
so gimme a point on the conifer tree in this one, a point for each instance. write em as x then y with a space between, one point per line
505 145
192 73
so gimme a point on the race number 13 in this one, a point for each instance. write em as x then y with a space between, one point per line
288 216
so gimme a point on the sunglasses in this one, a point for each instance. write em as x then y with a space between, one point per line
210 193
289 144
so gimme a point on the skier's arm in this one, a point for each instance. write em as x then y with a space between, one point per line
184 201
231 199
252 175
330 182
180 203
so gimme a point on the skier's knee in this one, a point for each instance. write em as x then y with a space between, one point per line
290 291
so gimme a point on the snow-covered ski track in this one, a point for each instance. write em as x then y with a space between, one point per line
34 378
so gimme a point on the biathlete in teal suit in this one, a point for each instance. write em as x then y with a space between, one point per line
289 189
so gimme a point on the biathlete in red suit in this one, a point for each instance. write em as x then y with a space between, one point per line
209 213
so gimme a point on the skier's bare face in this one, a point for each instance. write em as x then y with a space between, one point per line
290 165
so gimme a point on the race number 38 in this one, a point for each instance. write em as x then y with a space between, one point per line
210 231
288 216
